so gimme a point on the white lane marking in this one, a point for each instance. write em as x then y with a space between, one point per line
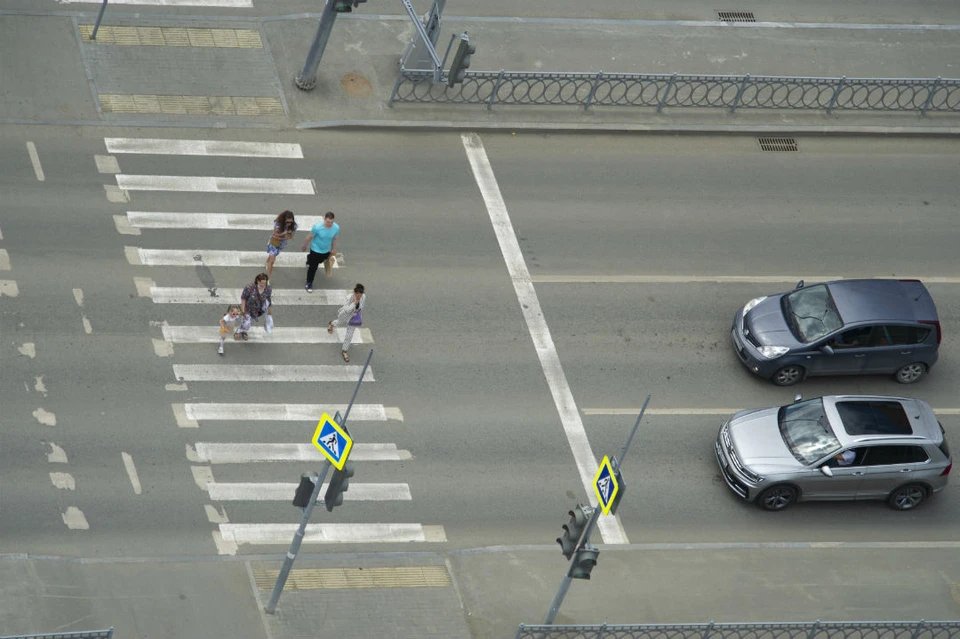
56 455
191 258
29 349
236 4
175 387
224 547
285 492
162 348
9 288
39 385
213 184
87 328
202 475
167 146
704 411
123 226
65 481
78 296
215 516
282 412
45 417
107 164
115 194
718 279
4 260
245 453
331 533
74 518
269 373
282 296
1 234
131 472
280 335
35 161
212 221
610 527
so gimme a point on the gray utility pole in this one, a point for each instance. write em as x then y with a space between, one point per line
96 26
271 606
421 53
307 79
583 543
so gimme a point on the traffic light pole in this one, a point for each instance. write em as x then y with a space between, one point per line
307 79
568 578
297 540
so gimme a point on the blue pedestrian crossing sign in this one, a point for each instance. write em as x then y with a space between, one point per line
333 441
606 486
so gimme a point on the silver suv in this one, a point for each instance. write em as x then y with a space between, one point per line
835 447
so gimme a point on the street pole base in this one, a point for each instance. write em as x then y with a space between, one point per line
305 84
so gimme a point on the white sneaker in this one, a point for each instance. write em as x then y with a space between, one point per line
220 348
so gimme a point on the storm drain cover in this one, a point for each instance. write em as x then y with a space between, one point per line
736 16
777 144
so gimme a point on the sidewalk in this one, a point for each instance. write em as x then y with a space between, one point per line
475 594
233 72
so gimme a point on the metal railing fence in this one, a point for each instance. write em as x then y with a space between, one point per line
86 634
815 630
681 90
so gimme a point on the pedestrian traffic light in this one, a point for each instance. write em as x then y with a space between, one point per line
346 6
461 60
572 531
338 485
308 482
584 563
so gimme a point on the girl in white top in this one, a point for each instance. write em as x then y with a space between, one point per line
228 324
351 317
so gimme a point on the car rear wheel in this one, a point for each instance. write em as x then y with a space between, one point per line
788 375
910 373
907 497
777 497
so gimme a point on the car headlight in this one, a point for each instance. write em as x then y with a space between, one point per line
772 352
752 476
749 305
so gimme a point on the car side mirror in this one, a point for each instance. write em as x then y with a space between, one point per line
826 471
797 397
799 284
826 349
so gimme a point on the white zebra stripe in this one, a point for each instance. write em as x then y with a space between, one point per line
280 335
268 373
285 492
286 412
331 533
246 453
166 146
196 257
225 296
213 221
236 4
215 184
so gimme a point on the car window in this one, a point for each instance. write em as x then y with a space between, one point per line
834 462
852 338
874 418
905 335
890 455
806 431
811 313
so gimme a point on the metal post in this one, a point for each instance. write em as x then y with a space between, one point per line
736 99
666 92
96 27
626 447
307 79
356 388
565 584
496 88
297 540
833 100
926 105
593 90
396 87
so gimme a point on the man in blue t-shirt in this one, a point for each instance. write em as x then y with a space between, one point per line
322 240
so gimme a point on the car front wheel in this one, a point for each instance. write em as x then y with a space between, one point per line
787 376
907 497
777 497
910 373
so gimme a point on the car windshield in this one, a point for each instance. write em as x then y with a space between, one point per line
806 431
811 313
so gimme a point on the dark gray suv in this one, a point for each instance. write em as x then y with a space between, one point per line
847 327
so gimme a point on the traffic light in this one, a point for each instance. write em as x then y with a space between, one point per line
572 531
586 560
346 6
461 60
305 490
338 485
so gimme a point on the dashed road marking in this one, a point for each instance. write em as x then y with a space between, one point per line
245 453
171 146
224 296
74 518
63 481
280 335
216 184
211 221
196 257
286 491
191 413
35 161
131 472
332 533
269 373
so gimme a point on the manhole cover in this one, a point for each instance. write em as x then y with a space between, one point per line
356 85
777 144
736 16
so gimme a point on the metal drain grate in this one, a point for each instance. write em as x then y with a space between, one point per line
736 16
777 144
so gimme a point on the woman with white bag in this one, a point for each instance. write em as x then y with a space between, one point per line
351 316
255 302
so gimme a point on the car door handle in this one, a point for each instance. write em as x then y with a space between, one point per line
905 470
857 473
905 352
858 355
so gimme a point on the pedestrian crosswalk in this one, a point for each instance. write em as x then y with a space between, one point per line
247 456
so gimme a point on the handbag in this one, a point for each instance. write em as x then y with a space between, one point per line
357 319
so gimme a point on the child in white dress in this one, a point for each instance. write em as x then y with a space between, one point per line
228 324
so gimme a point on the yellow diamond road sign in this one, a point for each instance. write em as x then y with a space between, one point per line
333 441
606 486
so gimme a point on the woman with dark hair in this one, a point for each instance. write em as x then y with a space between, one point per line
255 302
351 316
284 228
